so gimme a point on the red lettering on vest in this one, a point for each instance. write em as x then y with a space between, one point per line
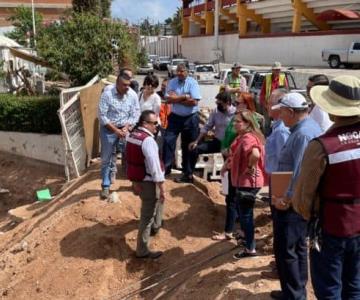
340 185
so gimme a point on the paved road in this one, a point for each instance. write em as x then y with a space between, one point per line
301 74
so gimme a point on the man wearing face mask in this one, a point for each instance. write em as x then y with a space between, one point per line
218 120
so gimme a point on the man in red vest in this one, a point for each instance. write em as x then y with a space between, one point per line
328 191
146 172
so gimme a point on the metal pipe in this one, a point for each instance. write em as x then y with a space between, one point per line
216 24
33 21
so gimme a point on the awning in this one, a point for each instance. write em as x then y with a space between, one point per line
338 15
28 57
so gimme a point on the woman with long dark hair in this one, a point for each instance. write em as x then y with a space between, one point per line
247 169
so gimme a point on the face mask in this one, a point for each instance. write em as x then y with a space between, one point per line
221 108
157 130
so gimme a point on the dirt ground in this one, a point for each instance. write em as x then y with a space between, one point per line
79 247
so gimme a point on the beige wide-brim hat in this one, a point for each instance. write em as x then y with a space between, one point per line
340 98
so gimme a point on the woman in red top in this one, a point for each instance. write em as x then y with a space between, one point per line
247 173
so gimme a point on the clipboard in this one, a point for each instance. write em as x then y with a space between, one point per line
279 184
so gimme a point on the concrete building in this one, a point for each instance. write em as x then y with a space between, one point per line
258 32
264 17
50 9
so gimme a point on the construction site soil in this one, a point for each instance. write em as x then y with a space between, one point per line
80 247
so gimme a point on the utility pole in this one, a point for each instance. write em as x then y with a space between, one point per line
33 21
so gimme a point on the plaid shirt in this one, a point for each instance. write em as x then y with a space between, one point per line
116 109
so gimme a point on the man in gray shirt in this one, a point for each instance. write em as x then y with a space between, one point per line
219 120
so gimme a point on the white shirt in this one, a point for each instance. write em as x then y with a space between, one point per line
150 150
321 117
153 102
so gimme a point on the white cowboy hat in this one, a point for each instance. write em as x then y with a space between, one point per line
276 66
340 98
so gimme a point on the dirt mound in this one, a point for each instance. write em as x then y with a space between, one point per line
79 247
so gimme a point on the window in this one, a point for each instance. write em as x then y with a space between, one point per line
356 46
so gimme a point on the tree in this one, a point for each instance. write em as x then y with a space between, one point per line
85 45
23 22
100 8
176 23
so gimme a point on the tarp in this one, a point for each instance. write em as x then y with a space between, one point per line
28 57
338 15
6 42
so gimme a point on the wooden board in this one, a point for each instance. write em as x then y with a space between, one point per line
89 100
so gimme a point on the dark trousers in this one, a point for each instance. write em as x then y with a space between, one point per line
246 216
232 208
290 241
335 270
206 147
189 128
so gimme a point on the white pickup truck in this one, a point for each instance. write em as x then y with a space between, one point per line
347 57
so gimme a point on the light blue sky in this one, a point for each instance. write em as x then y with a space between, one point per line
135 10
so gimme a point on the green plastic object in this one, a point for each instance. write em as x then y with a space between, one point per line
43 195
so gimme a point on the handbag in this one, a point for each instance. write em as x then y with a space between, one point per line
245 198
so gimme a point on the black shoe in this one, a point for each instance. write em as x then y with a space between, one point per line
184 179
152 255
244 254
277 294
154 231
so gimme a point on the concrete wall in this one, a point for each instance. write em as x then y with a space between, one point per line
290 50
43 147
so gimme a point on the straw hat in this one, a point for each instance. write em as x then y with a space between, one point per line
340 98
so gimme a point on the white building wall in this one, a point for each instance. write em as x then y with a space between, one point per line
290 50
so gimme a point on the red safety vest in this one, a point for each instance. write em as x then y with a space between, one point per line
135 159
340 185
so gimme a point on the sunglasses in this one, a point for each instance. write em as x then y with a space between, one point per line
153 123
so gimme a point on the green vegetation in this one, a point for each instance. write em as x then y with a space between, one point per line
29 114
99 8
85 45
22 21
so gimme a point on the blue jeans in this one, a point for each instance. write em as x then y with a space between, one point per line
110 143
291 249
246 215
188 126
335 270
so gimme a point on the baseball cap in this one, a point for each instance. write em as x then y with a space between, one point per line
292 100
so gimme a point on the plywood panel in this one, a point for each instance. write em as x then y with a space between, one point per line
89 100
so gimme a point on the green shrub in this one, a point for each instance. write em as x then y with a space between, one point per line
29 114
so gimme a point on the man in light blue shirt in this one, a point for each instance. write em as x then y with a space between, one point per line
278 136
118 112
183 93
291 227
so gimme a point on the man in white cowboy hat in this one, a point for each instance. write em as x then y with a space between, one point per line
329 187
235 83
272 82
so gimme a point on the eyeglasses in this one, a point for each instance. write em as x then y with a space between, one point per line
152 122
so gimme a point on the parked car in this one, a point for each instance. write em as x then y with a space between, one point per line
152 58
204 73
256 80
161 63
146 69
173 65
223 74
346 57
